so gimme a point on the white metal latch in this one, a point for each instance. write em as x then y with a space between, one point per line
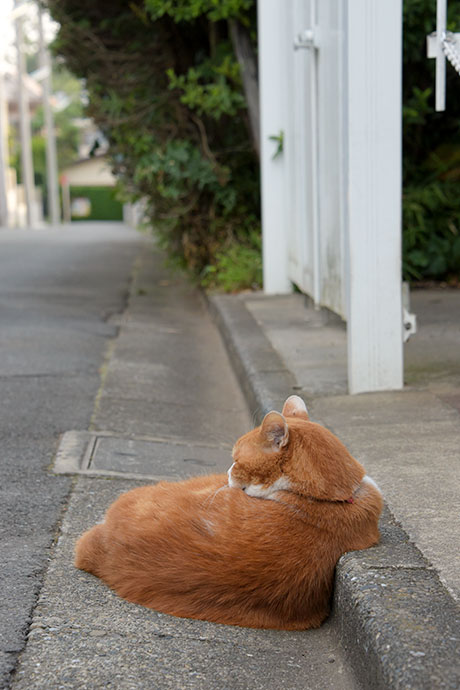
450 48
307 39
409 325
432 42
409 320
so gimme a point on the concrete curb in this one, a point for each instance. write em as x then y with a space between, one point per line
262 375
398 624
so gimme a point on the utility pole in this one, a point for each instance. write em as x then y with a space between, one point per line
27 167
51 154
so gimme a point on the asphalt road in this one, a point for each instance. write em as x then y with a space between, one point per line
58 290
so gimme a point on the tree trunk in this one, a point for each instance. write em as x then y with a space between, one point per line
247 60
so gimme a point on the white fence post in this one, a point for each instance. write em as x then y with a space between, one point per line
441 18
373 126
273 99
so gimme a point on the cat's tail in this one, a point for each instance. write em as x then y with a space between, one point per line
90 550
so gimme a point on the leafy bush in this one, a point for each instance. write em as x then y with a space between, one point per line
237 267
166 90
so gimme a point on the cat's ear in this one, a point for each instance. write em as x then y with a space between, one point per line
295 407
274 430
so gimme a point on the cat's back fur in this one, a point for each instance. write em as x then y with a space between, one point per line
255 548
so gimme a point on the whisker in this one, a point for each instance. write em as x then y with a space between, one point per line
256 415
210 499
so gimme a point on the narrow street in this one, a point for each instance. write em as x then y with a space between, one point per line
58 290
166 390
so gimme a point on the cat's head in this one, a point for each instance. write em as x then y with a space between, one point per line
288 452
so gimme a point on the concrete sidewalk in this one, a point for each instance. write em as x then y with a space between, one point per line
397 604
169 406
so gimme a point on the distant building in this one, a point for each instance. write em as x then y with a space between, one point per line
88 191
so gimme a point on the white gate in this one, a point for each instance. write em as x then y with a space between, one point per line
330 77
316 247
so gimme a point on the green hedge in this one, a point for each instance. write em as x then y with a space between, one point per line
104 205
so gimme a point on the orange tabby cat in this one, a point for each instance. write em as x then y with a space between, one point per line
255 548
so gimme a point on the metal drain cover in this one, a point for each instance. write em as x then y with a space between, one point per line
106 454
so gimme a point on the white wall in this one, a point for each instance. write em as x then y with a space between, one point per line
94 172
